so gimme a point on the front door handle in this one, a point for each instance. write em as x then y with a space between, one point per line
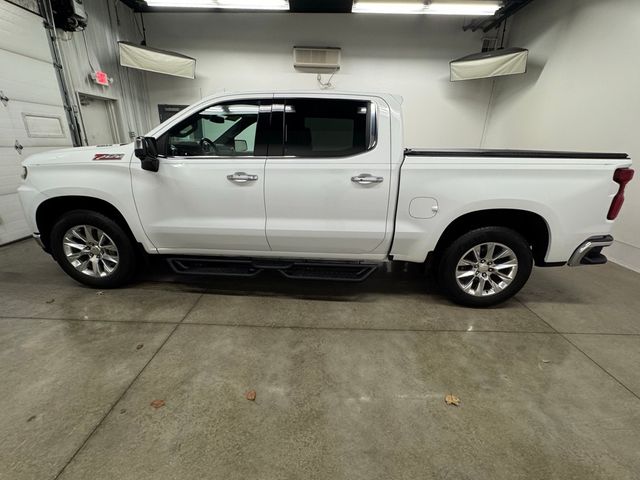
242 177
366 179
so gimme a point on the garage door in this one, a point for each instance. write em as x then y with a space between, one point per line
32 117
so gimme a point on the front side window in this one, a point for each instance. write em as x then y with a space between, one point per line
326 127
224 130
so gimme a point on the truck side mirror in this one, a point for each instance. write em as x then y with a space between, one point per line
146 150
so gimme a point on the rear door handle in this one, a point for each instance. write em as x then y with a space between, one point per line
242 177
366 179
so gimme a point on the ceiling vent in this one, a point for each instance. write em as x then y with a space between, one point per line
316 58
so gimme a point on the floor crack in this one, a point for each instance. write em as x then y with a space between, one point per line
563 335
113 406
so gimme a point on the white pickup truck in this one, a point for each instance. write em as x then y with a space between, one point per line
318 185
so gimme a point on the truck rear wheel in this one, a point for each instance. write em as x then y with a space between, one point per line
93 249
485 266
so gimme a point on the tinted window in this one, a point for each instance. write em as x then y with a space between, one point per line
326 127
221 130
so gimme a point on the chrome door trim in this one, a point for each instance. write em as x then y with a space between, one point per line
213 157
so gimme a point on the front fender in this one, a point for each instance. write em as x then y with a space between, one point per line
110 183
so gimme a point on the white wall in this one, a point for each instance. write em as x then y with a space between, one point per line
406 55
109 22
582 92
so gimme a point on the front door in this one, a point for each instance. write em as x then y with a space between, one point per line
208 195
328 189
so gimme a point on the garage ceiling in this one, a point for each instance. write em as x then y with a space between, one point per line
345 6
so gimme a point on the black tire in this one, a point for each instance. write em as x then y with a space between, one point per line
125 269
448 267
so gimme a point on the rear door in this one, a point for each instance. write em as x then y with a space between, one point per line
327 179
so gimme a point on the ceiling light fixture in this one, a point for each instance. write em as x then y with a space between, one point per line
388 7
226 4
475 9
181 3
159 61
254 4
496 63
442 7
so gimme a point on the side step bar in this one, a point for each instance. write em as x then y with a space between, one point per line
294 269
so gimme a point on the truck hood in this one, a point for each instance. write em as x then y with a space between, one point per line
112 153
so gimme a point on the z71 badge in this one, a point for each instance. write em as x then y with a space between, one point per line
108 156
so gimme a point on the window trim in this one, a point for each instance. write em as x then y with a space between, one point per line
371 126
372 120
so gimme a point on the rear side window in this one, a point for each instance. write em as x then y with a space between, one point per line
327 127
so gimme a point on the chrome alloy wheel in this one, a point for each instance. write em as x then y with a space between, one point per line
486 269
90 251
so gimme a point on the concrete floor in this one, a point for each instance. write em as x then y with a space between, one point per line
350 379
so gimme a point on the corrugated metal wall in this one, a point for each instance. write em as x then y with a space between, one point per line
97 49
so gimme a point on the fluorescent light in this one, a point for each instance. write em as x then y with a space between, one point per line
466 8
254 4
388 7
181 3
227 4
479 8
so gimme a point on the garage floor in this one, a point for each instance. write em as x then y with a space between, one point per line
350 379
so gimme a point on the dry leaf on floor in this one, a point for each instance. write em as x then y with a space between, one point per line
451 399
157 403
250 395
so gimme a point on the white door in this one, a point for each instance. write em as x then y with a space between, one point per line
97 120
329 190
32 117
208 196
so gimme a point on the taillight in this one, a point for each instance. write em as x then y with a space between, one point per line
621 176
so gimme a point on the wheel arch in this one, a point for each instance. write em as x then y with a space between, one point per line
532 226
50 210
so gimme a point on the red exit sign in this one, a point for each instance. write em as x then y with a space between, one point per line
101 78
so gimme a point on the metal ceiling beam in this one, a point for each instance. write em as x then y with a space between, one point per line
345 6
141 6
135 5
487 24
296 6
324 6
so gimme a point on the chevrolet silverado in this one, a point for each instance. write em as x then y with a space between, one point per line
318 185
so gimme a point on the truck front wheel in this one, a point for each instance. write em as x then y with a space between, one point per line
485 266
93 249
